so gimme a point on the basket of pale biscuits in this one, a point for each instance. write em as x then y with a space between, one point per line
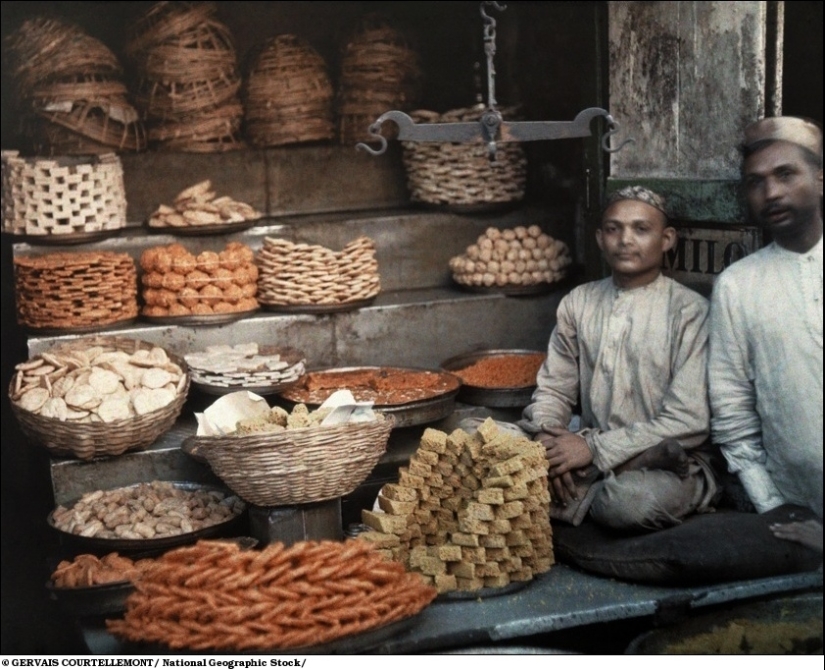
98 396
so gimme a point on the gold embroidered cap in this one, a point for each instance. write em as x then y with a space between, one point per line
787 129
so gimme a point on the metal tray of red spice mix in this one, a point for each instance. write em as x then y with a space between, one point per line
496 377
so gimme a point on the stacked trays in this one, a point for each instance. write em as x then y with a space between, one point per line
75 291
310 277
69 87
98 396
462 176
62 199
188 90
288 95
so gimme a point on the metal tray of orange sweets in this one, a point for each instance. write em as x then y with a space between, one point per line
413 396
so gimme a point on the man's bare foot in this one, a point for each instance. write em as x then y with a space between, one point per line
667 455
807 533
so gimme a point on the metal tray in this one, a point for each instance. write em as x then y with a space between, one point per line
198 319
408 414
319 309
481 594
155 546
65 239
90 601
206 229
82 330
267 389
490 397
511 289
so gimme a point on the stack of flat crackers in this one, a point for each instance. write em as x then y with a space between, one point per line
177 282
245 365
97 383
199 205
469 512
309 274
73 290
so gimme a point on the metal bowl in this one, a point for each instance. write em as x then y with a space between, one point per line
154 546
481 396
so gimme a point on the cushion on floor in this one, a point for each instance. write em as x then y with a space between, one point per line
705 549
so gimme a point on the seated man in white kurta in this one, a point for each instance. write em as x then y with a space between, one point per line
633 349
766 330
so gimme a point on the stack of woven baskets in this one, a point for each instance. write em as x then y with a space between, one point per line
188 88
311 275
69 90
462 175
380 71
288 94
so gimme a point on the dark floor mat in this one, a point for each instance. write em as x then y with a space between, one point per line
707 548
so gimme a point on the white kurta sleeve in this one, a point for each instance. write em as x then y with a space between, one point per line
557 382
735 423
684 413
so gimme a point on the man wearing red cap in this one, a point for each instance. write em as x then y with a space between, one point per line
765 367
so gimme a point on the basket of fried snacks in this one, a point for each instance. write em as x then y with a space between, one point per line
274 457
98 396
216 596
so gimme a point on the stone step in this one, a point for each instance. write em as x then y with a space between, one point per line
414 246
415 328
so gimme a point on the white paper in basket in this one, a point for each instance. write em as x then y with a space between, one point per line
346 409
222 416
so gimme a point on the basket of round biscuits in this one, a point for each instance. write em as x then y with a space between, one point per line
98 396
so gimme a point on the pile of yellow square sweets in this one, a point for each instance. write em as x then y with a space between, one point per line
470 512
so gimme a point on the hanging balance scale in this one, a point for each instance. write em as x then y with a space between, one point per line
491 128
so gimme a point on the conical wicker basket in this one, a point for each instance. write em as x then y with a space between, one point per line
188 79
380 71
288 95
298 466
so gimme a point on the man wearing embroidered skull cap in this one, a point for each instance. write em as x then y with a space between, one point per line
632 348
765 366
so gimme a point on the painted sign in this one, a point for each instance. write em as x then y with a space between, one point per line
701 254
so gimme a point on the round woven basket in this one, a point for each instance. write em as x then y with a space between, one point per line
288 95
66 439
297 466
457 174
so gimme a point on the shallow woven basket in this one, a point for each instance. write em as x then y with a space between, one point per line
297 466
457 174
86 441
